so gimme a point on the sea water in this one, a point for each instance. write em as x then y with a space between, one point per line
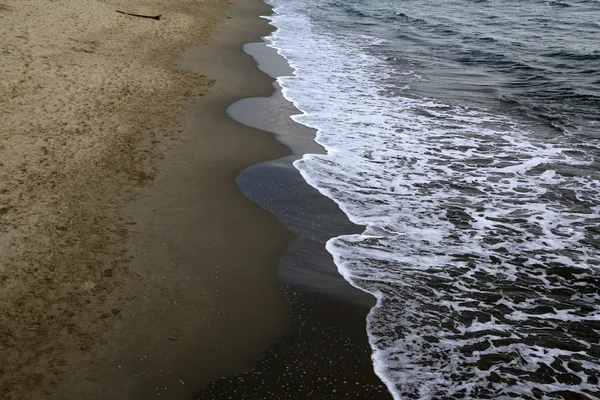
464 135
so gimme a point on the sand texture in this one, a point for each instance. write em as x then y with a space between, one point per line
210 302
88 98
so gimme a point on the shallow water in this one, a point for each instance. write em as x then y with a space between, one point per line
464 136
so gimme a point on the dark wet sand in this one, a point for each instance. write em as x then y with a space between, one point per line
324 353
211 302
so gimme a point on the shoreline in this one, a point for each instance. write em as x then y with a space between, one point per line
324 353
223 270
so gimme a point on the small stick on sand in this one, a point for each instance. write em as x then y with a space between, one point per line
156 17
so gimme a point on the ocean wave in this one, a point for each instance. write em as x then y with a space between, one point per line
481 235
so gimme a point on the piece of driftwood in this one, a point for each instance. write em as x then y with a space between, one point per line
156 17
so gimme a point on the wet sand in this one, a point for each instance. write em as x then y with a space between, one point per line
324 353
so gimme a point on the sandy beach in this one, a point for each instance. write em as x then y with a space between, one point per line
129 259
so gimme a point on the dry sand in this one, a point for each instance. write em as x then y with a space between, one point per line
89 101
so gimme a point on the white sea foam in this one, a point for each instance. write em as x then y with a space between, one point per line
479 242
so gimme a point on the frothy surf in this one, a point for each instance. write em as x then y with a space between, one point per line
481 239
